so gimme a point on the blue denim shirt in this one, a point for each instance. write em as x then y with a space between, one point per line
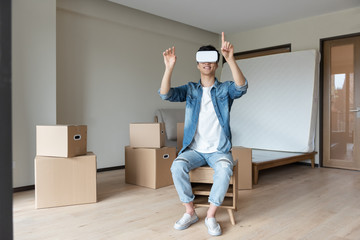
222 96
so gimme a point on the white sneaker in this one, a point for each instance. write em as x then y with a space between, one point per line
214 228
186 221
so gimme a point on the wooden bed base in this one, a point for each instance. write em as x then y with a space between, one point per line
279 162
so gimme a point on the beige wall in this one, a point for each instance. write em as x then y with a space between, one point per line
302 34
109 68
33 80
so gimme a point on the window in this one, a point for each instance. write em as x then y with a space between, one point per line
262 52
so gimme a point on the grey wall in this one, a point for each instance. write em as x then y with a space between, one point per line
33 80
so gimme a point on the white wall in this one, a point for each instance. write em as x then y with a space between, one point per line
109 68
302 34
33 80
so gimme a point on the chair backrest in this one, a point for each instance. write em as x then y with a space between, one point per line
170 117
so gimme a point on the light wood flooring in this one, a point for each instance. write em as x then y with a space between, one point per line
290 202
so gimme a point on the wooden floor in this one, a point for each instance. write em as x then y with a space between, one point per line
290 202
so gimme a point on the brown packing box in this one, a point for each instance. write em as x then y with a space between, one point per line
240 154
61 140
180 136
149 167
147 135
65 181
244 157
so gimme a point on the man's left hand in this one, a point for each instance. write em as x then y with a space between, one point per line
227 49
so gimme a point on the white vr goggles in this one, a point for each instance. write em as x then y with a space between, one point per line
207 56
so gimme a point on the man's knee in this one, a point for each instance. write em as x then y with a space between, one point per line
179 165
224 165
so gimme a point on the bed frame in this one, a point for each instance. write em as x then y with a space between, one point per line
283 159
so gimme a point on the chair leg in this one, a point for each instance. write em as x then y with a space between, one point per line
231 215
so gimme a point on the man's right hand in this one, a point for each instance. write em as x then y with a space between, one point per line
169 60
169 57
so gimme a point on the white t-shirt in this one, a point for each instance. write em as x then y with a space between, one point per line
208 130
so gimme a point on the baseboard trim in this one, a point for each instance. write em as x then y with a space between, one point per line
24 188
32 187
111 168
307 164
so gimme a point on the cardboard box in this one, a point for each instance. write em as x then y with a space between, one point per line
180 136
241 154
244 158
61 140
149 167
65 181
147 135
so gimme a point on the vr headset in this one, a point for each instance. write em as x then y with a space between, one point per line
207 56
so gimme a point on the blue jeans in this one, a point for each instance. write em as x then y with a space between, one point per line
222 163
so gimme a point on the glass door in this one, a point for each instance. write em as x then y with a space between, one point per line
341 122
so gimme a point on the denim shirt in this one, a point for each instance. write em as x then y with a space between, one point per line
222 96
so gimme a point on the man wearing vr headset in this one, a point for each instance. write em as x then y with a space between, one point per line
207 135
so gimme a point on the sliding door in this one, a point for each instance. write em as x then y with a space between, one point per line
341 112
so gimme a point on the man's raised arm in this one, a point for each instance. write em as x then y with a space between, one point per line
227 50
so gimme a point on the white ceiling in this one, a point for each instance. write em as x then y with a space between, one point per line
233 16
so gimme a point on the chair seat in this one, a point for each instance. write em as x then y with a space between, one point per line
204 174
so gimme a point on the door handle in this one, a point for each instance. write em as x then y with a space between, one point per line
354 110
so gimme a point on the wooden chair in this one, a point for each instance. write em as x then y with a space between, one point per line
202 179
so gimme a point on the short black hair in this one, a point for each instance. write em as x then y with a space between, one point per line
210 48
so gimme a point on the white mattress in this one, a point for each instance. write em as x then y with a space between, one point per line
279 110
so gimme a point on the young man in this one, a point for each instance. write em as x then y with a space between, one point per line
207 136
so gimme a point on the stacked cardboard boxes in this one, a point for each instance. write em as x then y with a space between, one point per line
147 160
65 173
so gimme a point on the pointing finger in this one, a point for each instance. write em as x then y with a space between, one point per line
222 37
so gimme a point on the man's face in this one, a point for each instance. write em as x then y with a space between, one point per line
207 68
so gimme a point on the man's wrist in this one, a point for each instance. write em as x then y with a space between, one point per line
230 59
169 68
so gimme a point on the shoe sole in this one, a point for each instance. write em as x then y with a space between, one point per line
186 226
212 233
